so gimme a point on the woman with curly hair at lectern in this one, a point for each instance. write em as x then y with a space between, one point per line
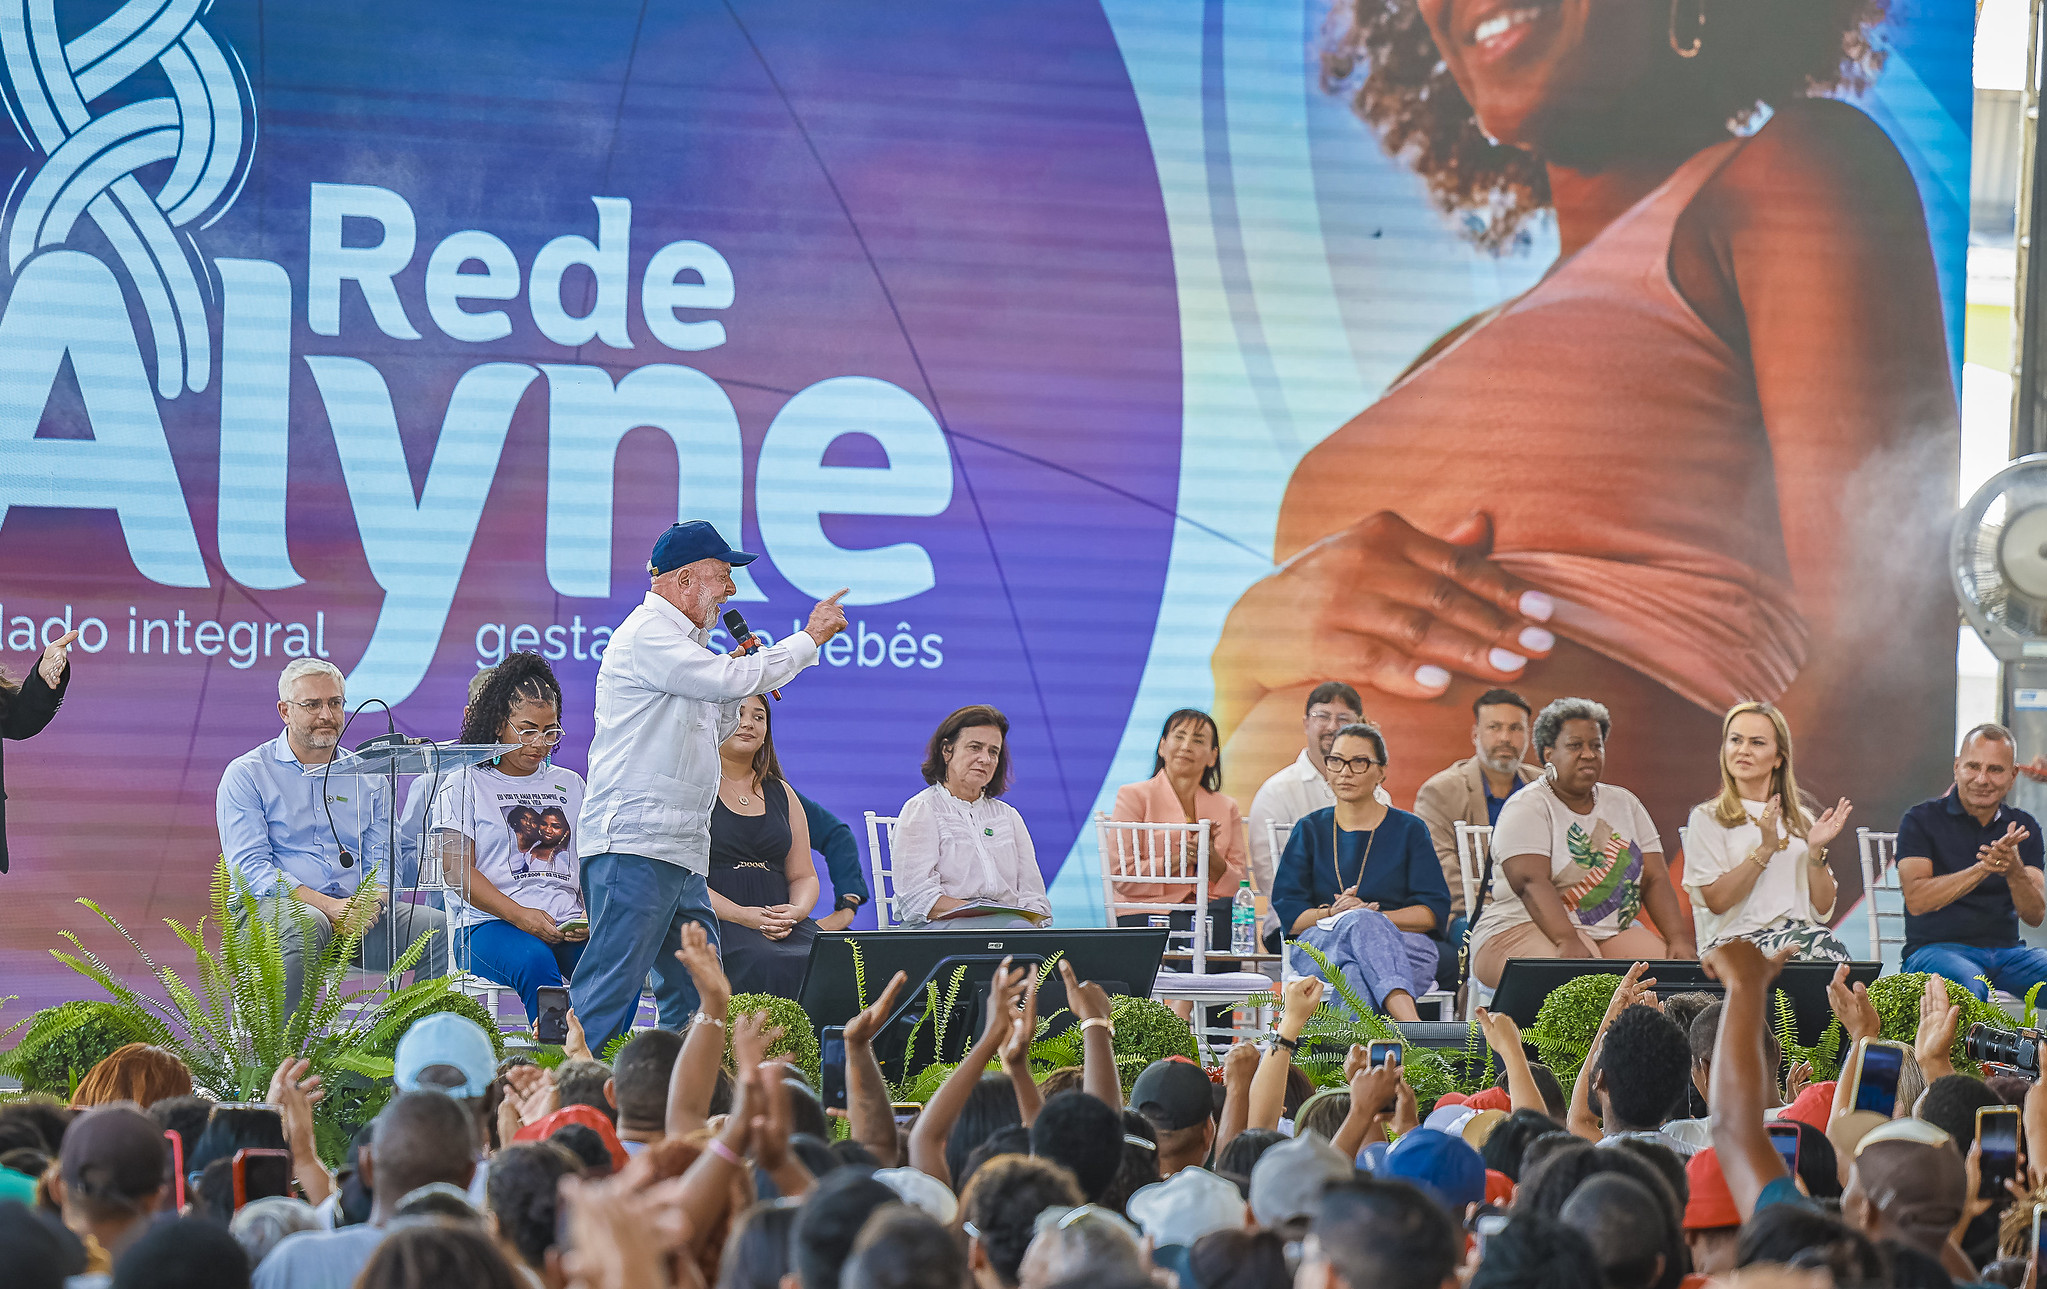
1709 457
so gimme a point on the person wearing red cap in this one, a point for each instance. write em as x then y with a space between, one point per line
1712 1223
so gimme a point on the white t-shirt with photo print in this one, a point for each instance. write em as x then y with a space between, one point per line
522 828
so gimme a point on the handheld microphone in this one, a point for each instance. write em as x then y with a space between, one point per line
743 636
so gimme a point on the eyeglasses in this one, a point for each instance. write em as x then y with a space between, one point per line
311 705
1349 765
531 734
1323 716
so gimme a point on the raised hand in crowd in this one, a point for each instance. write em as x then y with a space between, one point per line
1741 1079
1503 1036
1374 1097
577 1047
694 1078
295 1090
1089 1003
530 1096
1299 1002
870 1116
1016 1055
1240 1066
1934 1043
1851 1004
934 1125
772 1126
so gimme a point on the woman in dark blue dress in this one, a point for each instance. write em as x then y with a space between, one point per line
763 884
1360 882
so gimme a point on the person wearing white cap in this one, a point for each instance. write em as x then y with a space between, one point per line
448 1052
1187 1206
664 703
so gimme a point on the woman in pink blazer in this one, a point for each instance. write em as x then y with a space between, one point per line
1187 786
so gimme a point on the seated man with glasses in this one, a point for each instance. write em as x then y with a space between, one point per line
303 844
1360 883
504 833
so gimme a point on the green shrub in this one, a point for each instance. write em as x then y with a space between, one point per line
799 1034
59 1044
1896 999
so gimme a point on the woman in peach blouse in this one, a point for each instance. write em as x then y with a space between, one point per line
1187 786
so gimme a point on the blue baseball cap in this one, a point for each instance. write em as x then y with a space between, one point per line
686 543
1451 1172
450 1039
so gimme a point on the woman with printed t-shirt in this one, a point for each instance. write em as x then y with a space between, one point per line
502 833
1755 856
1577 860
763 884
961 855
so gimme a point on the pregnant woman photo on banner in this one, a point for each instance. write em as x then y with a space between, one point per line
1669 476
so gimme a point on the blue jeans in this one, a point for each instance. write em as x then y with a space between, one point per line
502 952
2014 970
637 907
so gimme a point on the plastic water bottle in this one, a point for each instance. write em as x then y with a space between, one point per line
1244 920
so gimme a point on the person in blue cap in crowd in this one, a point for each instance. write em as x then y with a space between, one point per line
1447 1170
664 702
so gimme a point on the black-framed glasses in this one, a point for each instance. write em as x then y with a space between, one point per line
1349 764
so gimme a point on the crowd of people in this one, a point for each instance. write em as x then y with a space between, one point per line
696 1160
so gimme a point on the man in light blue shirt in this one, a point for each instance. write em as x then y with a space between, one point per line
294 838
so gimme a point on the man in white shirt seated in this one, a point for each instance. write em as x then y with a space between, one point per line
310 841
1299 788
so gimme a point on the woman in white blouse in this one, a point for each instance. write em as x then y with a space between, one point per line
962 856
1755 856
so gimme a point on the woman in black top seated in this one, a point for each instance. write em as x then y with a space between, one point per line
763 885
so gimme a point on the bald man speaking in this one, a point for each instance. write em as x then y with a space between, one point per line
664 703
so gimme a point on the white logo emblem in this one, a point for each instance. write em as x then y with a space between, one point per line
91 159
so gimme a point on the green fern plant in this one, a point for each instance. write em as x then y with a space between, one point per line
2030 1018
230 1026
1824 1056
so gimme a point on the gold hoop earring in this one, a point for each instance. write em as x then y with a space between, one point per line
1698 31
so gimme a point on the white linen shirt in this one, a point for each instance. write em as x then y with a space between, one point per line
968 850
664 703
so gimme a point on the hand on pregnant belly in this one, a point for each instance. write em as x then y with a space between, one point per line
1386 605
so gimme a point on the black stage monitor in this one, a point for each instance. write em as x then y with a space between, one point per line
1526 982
1121 960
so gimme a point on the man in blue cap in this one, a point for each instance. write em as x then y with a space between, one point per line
664 703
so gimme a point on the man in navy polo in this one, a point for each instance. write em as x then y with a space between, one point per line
1970 866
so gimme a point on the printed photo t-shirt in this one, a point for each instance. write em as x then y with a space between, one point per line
523 831
1595 859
